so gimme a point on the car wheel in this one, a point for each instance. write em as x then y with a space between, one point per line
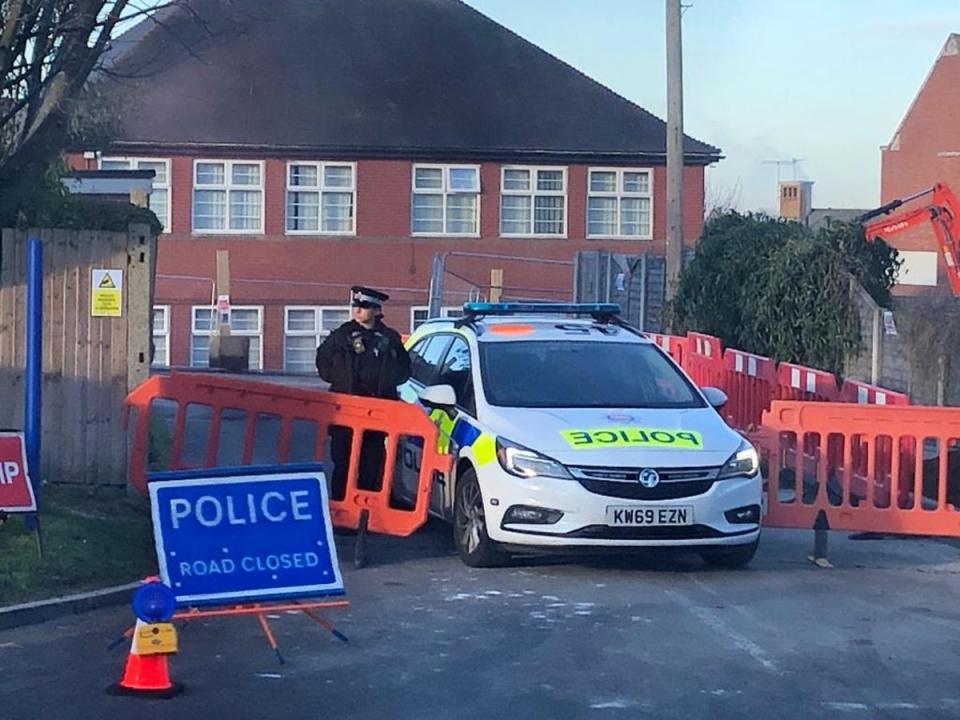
474 545
737 556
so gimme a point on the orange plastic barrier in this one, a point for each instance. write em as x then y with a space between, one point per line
674 345
870 468
703 360
855 391
798 382
750 382
193 420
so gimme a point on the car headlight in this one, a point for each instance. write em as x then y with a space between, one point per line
744 462
524 462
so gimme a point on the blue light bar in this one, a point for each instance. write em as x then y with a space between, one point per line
545 308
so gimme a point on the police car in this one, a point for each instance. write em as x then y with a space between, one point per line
571 429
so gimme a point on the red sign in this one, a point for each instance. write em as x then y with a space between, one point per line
16 492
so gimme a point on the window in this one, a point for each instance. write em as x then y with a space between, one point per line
159 198
457 371
425 357
161 336
227 196
247 321
304 330
533 201
446 200
419 315
549 373
321 198
619 203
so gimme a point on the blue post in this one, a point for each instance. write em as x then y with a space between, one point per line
33 408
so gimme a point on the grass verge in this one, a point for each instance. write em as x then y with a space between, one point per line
92 538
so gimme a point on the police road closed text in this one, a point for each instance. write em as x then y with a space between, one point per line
245 537
248 563
267 506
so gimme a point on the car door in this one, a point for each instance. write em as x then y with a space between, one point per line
455 370
425 359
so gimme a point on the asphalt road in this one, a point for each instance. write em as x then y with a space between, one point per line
635 637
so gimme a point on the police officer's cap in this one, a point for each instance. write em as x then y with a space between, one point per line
360 296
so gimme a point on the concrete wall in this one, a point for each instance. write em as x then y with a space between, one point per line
909 361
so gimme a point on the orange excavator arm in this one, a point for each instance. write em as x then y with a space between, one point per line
942 212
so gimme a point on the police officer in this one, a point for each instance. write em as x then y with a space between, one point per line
362 357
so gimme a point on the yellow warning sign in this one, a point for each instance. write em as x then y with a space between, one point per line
155 638
107 293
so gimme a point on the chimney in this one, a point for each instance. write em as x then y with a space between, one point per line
796 199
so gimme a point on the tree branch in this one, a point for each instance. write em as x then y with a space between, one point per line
10 22
41 46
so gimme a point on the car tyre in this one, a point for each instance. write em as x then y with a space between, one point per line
737 556
473 544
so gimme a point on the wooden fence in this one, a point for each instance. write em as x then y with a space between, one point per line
89 363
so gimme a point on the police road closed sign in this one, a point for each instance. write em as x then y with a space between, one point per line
16 492
245 538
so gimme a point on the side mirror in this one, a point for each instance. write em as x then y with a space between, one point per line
715 396
438 397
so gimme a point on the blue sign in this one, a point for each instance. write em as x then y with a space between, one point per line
240 537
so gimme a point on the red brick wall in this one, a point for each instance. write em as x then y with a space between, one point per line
274 270
924 152
383 198
181 200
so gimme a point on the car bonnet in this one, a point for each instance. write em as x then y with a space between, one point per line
580 436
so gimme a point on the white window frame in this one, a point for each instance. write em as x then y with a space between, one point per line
320 190
165 335
227 188
445 192
619 194
532 193
444 312
167 185
318 333
194 333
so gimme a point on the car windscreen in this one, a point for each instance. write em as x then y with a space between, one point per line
545 373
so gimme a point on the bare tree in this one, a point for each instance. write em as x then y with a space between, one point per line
48 51
722 197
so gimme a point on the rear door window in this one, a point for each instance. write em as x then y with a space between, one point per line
425 358
457 371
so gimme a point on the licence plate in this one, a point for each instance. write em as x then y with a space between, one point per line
641 516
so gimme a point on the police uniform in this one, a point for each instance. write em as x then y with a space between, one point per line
371 362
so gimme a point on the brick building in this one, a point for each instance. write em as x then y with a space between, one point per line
925 149
335 142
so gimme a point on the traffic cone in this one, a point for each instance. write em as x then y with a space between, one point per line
145 675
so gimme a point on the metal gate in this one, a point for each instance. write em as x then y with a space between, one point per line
636 282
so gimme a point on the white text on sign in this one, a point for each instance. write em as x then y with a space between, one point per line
9 472
271 506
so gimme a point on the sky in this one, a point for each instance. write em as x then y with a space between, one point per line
824 81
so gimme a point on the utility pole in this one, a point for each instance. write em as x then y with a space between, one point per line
674 148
